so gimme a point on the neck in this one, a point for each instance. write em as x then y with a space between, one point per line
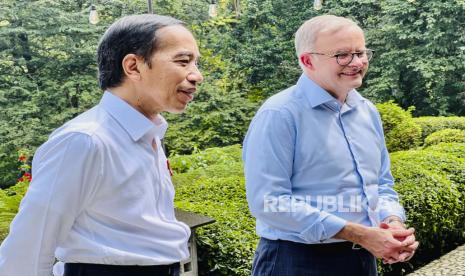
131 97
338 95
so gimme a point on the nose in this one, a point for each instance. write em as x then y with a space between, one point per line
195 76
358 61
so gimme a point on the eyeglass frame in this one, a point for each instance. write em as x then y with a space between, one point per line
366 51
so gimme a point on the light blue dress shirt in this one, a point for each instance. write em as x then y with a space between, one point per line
100 193
312 164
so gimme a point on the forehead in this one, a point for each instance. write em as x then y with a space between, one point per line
345 38
176 39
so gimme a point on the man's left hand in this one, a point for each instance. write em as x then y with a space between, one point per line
409 243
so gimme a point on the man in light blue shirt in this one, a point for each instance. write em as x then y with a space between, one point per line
317 170
101 198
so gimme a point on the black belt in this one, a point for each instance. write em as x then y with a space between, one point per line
85 269
325 247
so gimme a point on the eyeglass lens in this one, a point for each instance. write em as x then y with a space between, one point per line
346 58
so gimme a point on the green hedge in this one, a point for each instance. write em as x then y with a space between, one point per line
429 125
205 158
213 184
445 136
430 183
400 130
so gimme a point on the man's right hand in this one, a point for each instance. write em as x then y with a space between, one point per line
382 243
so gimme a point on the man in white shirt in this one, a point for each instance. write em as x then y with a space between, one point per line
101 199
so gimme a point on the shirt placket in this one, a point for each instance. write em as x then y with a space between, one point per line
164 203
370 196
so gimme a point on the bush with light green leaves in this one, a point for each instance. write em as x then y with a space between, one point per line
445 136
400 129
211 183
429 124
431 186
430 183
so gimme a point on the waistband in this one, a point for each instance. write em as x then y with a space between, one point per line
321 247
171 269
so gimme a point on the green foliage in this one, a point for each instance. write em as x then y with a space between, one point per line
47 60
431 185
11 197
445 136
400 129
204 159
418 47
418 60
9 204
262 46
212 184
48 54
430 124
455 149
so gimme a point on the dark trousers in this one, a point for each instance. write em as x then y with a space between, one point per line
79 269
286 258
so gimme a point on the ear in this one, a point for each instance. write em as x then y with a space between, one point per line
306 60
131 66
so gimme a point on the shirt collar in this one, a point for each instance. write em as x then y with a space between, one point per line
135 124
354 98
318 96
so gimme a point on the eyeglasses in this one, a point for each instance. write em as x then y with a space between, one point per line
345 58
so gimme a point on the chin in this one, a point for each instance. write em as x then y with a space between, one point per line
177 110
356 83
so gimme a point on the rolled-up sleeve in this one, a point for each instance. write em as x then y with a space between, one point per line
65 170
268 156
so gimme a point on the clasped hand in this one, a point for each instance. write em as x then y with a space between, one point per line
393 243
409 244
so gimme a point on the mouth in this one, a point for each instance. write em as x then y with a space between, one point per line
188 93
352 73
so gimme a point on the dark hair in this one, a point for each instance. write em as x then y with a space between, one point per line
134 34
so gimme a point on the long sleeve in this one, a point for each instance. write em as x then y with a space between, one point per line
388 204
65 170
268 163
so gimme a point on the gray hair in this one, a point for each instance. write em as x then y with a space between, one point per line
308 32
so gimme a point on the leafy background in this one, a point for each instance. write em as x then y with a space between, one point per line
48 75
48 65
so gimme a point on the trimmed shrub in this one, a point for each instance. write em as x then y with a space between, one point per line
431 184
213 185
430 124
205 158
400 130
445 136
455 149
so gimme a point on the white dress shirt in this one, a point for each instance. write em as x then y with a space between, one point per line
100 194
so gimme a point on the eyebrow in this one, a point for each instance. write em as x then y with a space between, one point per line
347 50
185 53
